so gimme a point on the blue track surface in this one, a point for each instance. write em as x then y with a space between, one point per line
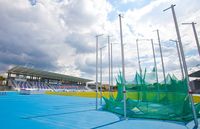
60 112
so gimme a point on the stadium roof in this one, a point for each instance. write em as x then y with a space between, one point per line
195 74
45 74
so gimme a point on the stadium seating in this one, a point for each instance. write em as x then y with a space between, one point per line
36 85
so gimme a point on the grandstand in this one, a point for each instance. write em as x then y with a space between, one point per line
23 78
195 84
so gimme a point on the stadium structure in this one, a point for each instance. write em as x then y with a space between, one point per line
195 84
24 78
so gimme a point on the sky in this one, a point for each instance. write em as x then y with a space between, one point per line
59 35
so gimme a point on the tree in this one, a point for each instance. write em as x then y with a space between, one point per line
2 78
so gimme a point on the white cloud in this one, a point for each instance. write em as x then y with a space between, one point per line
127 1
60 35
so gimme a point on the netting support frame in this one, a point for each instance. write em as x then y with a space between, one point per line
184 63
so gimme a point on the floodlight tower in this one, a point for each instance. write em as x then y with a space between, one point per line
184 63
195 34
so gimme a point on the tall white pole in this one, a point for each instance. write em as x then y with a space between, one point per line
101 74
140 70
195 35
179 57
138 55
111 58
184 64
181 65
154 58
109 64
156 70
97 70
123 68
161 55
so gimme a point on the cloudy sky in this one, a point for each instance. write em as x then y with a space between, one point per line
59 35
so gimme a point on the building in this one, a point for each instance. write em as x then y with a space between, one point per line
30 77
195 84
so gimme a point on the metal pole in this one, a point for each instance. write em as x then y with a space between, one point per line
155 64
111 68
123 68
161 55
109 63
101 76
195 35
184 65
179 56
97 70
140 70
111 55
138 54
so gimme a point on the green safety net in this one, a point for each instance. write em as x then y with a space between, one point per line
164 101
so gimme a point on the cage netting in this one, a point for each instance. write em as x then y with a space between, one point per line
163 101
